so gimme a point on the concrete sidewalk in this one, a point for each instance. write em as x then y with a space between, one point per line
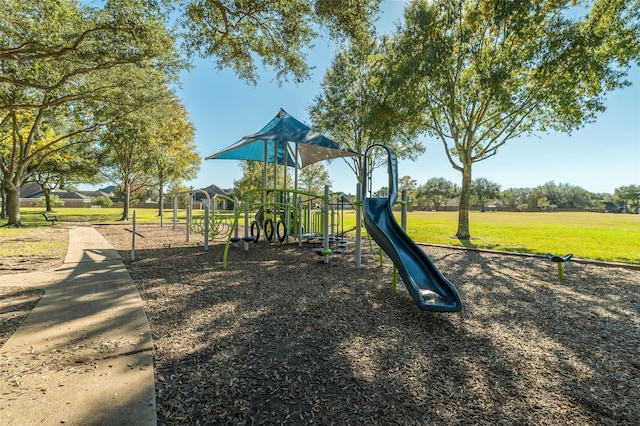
83 356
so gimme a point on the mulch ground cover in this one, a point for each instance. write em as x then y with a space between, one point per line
279 337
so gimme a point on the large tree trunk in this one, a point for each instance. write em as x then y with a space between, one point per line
127 198
47 197
13 205
465 198
3 195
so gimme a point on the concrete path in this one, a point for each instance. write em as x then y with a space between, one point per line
83 356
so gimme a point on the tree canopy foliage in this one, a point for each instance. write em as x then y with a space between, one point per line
172 147
479 73
437 191
236 33
152 144
313 178
630 195
484 190
353 108
68 65
64 64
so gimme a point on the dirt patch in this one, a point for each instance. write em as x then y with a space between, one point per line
15 304
280 337
33 249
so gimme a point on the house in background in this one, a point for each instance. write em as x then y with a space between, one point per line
103 192
31 192
213 190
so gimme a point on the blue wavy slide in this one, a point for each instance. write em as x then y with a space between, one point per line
428 288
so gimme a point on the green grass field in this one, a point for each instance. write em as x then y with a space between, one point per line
33 216
612 237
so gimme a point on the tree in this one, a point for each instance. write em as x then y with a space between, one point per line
438 191
181 192
126 145
131 144
545 204
102 201
353 108
236 33
410 185
313 178
483 190
381 192
78 163
630 195
513 198
564 195
172 147
61 63
479 73
253 177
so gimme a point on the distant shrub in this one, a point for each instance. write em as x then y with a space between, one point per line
102 201
523 207
53 199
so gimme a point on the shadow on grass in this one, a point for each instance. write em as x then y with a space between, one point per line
466 243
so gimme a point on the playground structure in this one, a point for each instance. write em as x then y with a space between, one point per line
560 260
428 288
273 215
210 224
284 214
280 214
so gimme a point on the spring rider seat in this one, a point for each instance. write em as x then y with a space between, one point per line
559 260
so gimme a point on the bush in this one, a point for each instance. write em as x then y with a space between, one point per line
102 201
53 199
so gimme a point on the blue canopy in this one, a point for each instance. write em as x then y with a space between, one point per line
255 151
284 129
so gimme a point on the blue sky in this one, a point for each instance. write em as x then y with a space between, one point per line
600 157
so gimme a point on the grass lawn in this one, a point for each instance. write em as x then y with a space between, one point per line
611 237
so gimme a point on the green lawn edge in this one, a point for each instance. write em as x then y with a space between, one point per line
587 235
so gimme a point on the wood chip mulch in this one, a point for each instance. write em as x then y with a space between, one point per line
279 337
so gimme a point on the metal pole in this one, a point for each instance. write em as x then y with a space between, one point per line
333 222
188 221
175 211
308 217
358 226
161 211
133 238
296 170
299 206
246 224
235 214
403 217
206 228
264 174
275 166
326 223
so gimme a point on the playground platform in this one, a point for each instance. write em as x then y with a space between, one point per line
83 356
